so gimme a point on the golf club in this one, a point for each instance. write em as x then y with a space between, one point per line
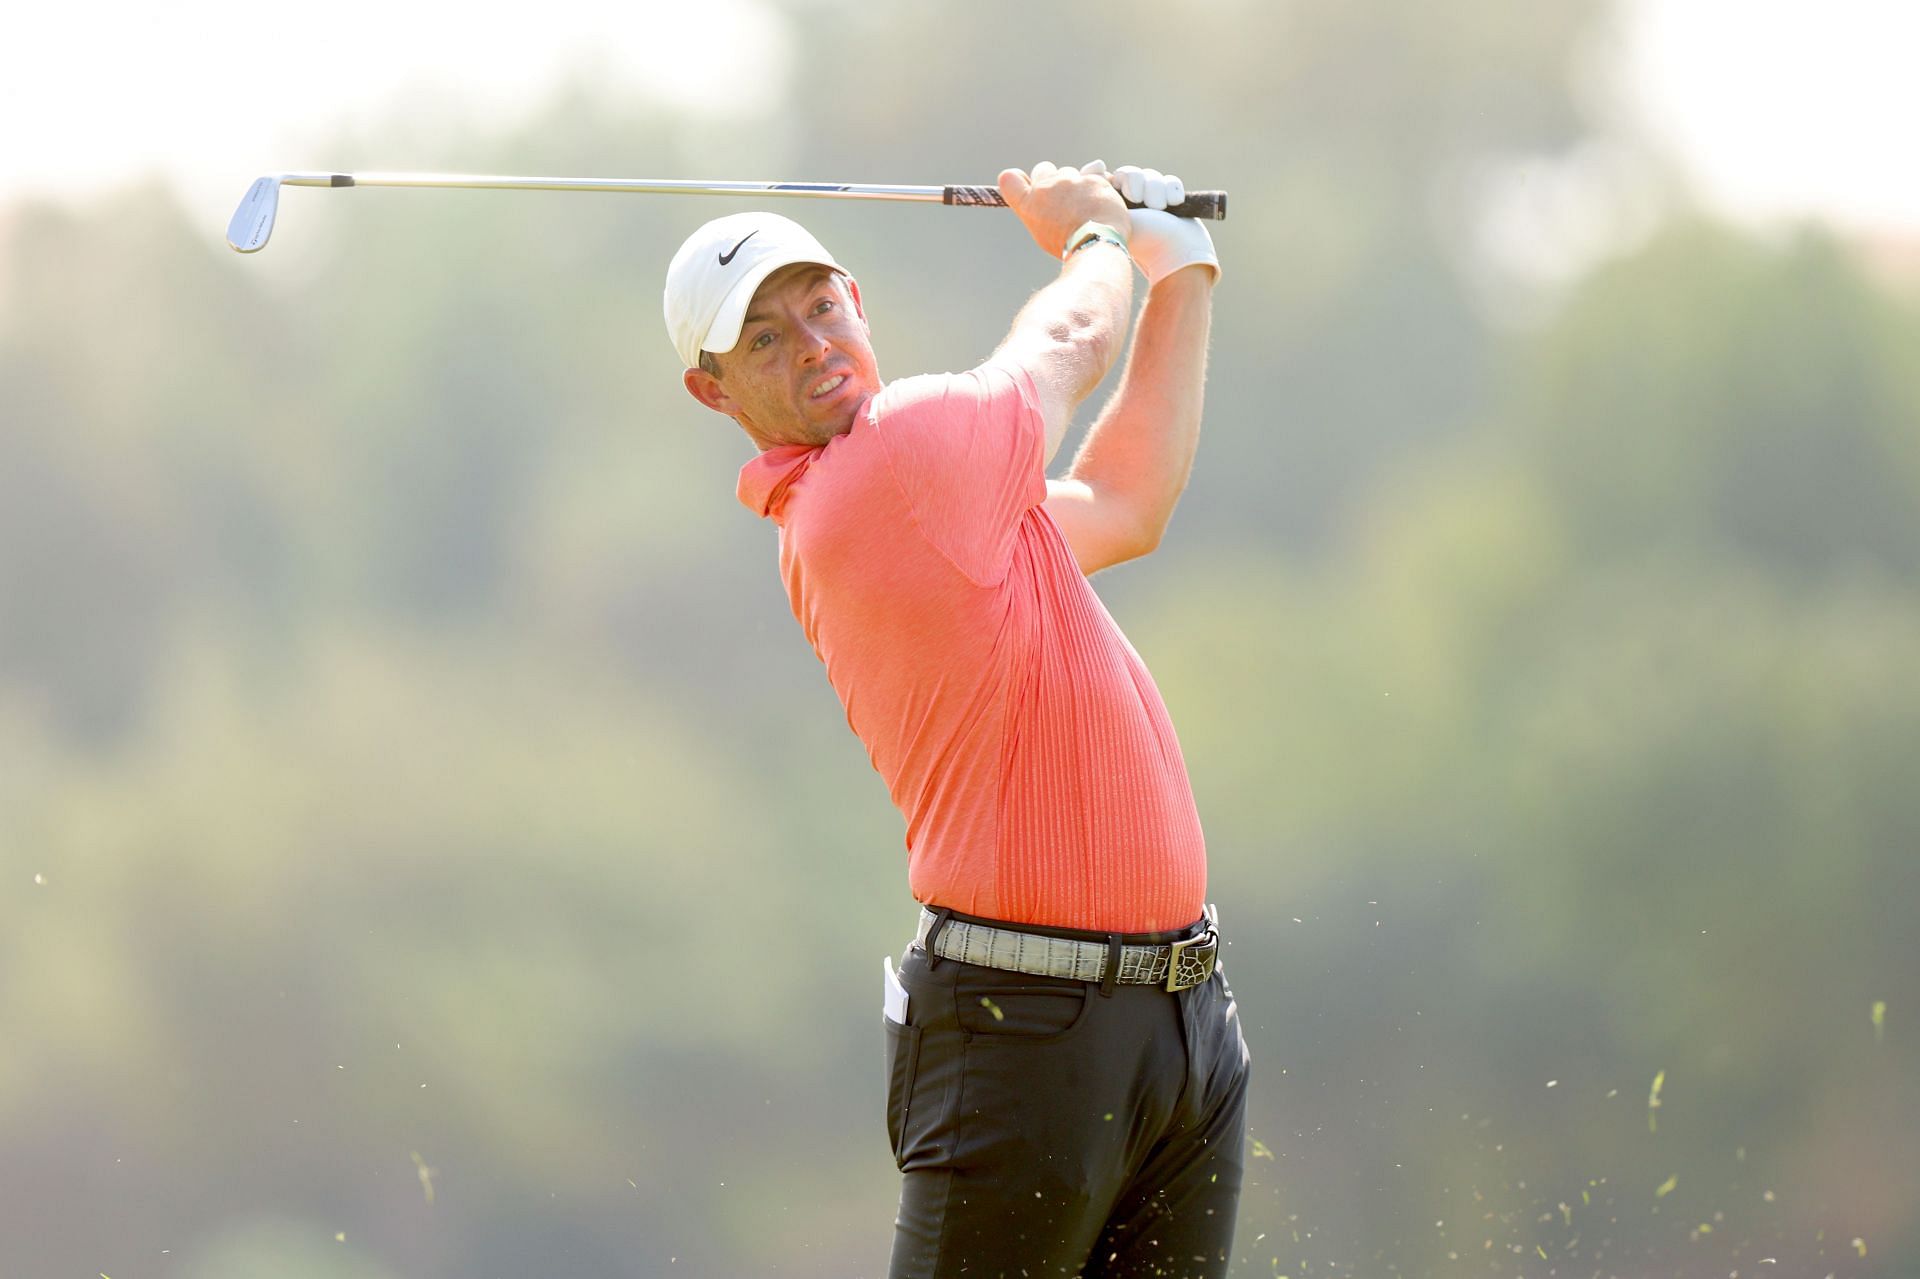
253 221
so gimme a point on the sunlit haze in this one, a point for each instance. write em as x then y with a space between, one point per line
1787 107
1778 107
211 93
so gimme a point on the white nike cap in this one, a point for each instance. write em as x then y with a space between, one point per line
712 279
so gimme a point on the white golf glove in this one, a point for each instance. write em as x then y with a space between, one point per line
1148 187
1161 243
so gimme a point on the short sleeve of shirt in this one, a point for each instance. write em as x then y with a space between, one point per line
969 452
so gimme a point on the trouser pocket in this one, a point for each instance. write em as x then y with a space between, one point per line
903 1063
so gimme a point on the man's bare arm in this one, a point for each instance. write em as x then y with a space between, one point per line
1068 334
1115 500
1118 496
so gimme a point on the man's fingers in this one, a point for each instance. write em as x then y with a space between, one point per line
1014 186
1054 198
1148 187
1154 195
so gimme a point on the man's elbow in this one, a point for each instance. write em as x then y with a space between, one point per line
1141 536
1088 340
1152 516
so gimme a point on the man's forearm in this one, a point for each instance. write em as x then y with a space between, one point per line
1069 333
1084 309
1140 449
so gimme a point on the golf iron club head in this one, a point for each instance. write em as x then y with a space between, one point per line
253 221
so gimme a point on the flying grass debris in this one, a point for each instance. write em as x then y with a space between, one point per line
426 1176
1879 1021
1666 1187
1653 1101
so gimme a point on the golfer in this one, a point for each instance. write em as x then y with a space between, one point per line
1066 1075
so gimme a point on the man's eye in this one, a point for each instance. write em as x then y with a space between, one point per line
761 341
824 304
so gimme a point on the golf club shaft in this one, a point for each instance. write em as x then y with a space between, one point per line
1198 204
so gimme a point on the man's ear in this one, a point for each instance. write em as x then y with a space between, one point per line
853 291
705 387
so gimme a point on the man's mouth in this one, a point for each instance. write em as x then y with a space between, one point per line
827 386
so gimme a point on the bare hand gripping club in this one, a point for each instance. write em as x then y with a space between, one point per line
253 220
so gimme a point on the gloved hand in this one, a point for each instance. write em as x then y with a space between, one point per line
1147 187
1161 243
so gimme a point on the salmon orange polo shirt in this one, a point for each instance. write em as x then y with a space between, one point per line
1016 728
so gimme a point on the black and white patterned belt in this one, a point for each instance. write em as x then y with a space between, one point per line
1176 965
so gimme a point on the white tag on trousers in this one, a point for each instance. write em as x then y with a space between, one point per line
894 995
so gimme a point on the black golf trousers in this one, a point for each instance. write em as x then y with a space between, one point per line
1045 1128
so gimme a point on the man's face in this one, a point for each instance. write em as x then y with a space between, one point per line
803 369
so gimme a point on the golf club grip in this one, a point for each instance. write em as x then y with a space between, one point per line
1198 204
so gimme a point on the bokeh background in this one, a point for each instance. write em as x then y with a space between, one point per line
407 755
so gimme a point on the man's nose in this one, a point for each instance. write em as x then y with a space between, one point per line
814 344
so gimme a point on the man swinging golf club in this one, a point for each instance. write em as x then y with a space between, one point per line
1066 1075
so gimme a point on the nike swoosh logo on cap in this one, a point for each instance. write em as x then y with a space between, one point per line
727 257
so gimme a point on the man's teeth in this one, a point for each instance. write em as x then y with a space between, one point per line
828 386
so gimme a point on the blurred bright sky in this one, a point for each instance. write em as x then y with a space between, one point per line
1776 106
215 93
1787 106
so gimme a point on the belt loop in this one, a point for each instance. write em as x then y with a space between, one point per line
1111 978
941 914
